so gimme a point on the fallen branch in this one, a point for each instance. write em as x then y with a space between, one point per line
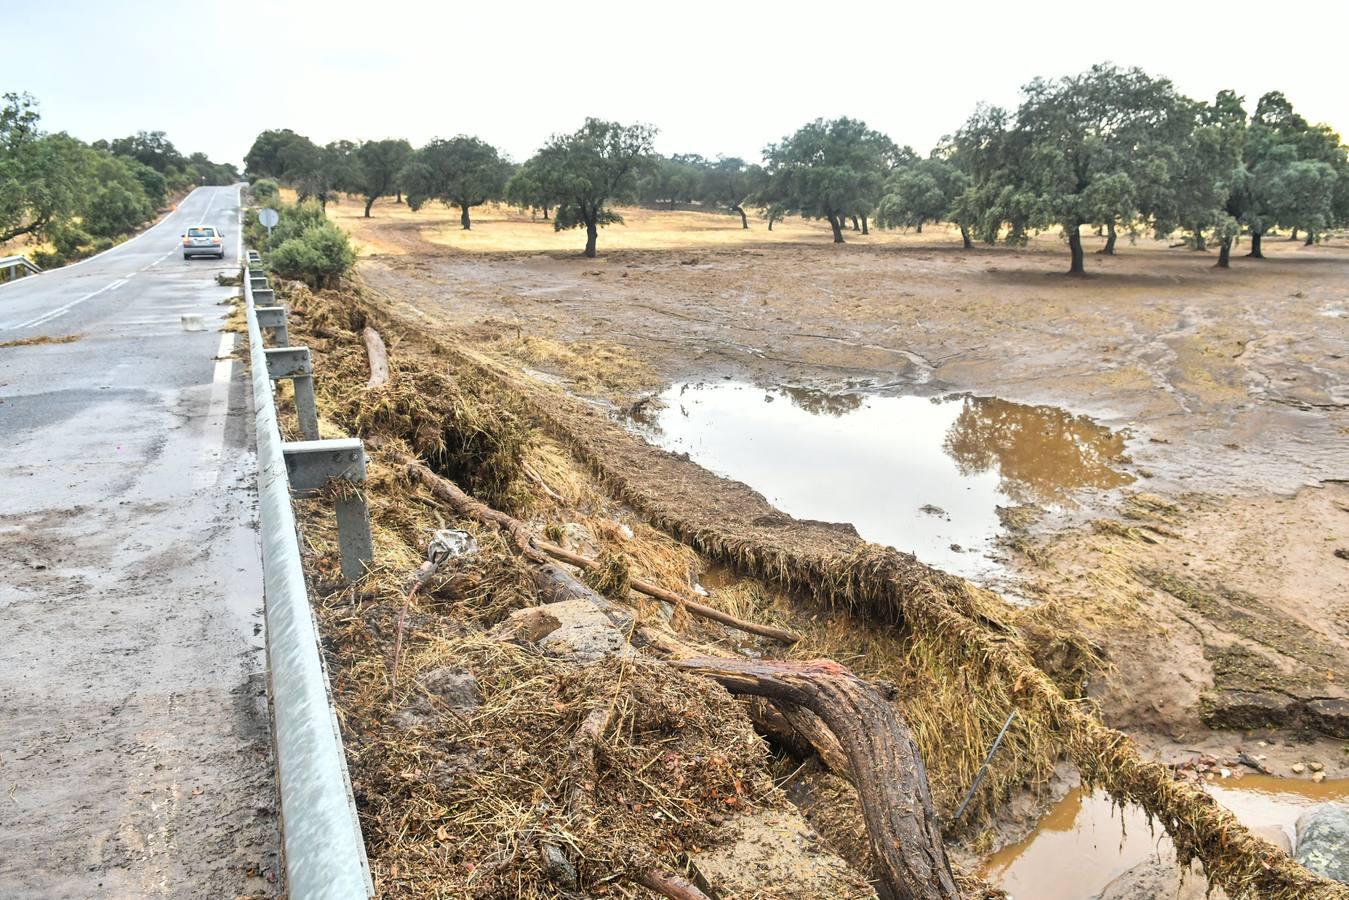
538 551
582 770
378 356
660 593
543 485
672 886
887 768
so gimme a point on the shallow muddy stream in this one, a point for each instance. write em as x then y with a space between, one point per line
925 475
1086 841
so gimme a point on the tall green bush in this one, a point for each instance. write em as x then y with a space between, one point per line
318 256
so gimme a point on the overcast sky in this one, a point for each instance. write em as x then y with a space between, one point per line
714 77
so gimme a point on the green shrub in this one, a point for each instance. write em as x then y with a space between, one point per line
116 209
67 239
265 191
296 219
318 255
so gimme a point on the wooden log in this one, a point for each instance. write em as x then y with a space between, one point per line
378 355
801 731
798 729
887 768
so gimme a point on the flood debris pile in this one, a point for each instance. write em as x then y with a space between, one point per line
506 763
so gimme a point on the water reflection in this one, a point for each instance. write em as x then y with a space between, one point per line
923 475
1041 454
1086 840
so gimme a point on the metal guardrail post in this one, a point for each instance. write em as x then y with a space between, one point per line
294 363
321 834
273 318
313 464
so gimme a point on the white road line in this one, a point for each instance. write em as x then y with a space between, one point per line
62 310
207 472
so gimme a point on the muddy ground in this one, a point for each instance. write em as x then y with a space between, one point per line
1216 594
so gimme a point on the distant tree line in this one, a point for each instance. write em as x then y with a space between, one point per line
80 198
1109 150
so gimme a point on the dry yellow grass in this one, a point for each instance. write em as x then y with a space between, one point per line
502 229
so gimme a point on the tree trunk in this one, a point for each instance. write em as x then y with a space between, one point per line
887 768
1109 248
919 229
1075 245
592 234
369 202
965 237
1224 253
463 218
835 224
1199 242
398 199
770 221
545 213
744 219
1293 236
1255 246
865 230
1311 239
856 226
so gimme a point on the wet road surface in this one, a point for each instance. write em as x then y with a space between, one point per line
134 753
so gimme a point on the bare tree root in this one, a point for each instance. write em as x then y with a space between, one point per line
538 551
887 768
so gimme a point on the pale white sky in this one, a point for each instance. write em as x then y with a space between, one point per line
715 77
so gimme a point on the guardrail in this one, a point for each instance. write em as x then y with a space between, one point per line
15 267
321 840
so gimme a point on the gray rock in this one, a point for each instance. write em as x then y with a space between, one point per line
445 689
455 688
578 630
1158 876
1323 840
584 633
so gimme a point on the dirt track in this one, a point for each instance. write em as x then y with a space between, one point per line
1233 387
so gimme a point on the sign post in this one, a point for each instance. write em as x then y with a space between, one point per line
268 218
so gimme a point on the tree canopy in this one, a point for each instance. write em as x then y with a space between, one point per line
1113 149
378 165
587 170
829 170
463 172
80 197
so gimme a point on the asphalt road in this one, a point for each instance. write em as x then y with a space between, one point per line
134 751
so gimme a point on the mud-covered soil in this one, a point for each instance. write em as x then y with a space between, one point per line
1217 598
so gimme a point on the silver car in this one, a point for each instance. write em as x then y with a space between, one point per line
203 240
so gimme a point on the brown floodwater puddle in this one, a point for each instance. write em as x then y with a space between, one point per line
1086 841
925 475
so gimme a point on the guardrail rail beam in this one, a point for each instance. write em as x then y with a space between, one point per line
322 847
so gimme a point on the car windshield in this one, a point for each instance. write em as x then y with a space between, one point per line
201 232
